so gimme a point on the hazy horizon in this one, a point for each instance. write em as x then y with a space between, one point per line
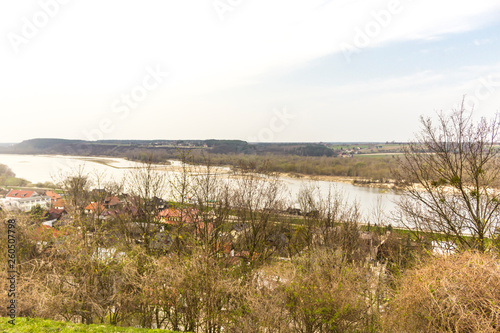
255 142
281 71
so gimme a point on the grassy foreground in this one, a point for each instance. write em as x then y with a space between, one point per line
43 325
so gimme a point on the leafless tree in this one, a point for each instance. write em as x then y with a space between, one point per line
212 203
145 184
450 171
257 199
181 185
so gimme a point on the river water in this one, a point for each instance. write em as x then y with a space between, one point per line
53 168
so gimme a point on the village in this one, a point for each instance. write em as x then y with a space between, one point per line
155 221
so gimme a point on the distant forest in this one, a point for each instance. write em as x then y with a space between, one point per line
315 159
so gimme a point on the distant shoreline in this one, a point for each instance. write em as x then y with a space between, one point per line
108 161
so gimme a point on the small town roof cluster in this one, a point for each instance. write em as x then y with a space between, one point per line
25 201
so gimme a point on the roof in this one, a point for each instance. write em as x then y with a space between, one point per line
20 194
112 201
44 232
173 216
57 211
55 214
95 206
53 195
169 212
170 216
60 203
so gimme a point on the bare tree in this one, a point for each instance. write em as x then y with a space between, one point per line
145 184
309 199
212 202
182 191
258 197
450 171
76 186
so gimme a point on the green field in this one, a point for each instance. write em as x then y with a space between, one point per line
42 325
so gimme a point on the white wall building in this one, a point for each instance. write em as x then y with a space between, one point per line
24 200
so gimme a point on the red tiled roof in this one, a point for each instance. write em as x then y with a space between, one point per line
57 211
169 212
19 194
112 201
60 203
170 216
45 232
53 195
173 216
95 206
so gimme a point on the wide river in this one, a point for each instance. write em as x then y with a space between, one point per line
52 168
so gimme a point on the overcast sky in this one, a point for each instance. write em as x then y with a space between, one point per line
258 70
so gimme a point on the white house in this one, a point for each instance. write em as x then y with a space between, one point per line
24 200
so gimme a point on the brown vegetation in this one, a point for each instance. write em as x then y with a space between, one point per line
459 293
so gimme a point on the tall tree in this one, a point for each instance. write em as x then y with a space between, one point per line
450 171
146 183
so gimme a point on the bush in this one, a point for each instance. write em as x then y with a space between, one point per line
317 292
459 293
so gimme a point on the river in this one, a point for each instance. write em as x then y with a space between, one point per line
52 168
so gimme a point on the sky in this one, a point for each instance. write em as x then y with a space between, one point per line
255 70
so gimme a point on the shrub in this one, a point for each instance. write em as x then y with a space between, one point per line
459 293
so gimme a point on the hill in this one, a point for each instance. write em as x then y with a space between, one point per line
368 160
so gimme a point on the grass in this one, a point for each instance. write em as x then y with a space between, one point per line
44 325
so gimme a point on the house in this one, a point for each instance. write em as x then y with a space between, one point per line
24 200
53 196
20 194
95 208
160 204
174 216
170 216
60 204
112 202
293 211
55 214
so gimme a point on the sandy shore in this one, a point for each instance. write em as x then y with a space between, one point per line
338 179
228 170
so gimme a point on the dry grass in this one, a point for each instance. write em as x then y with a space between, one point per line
459 293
